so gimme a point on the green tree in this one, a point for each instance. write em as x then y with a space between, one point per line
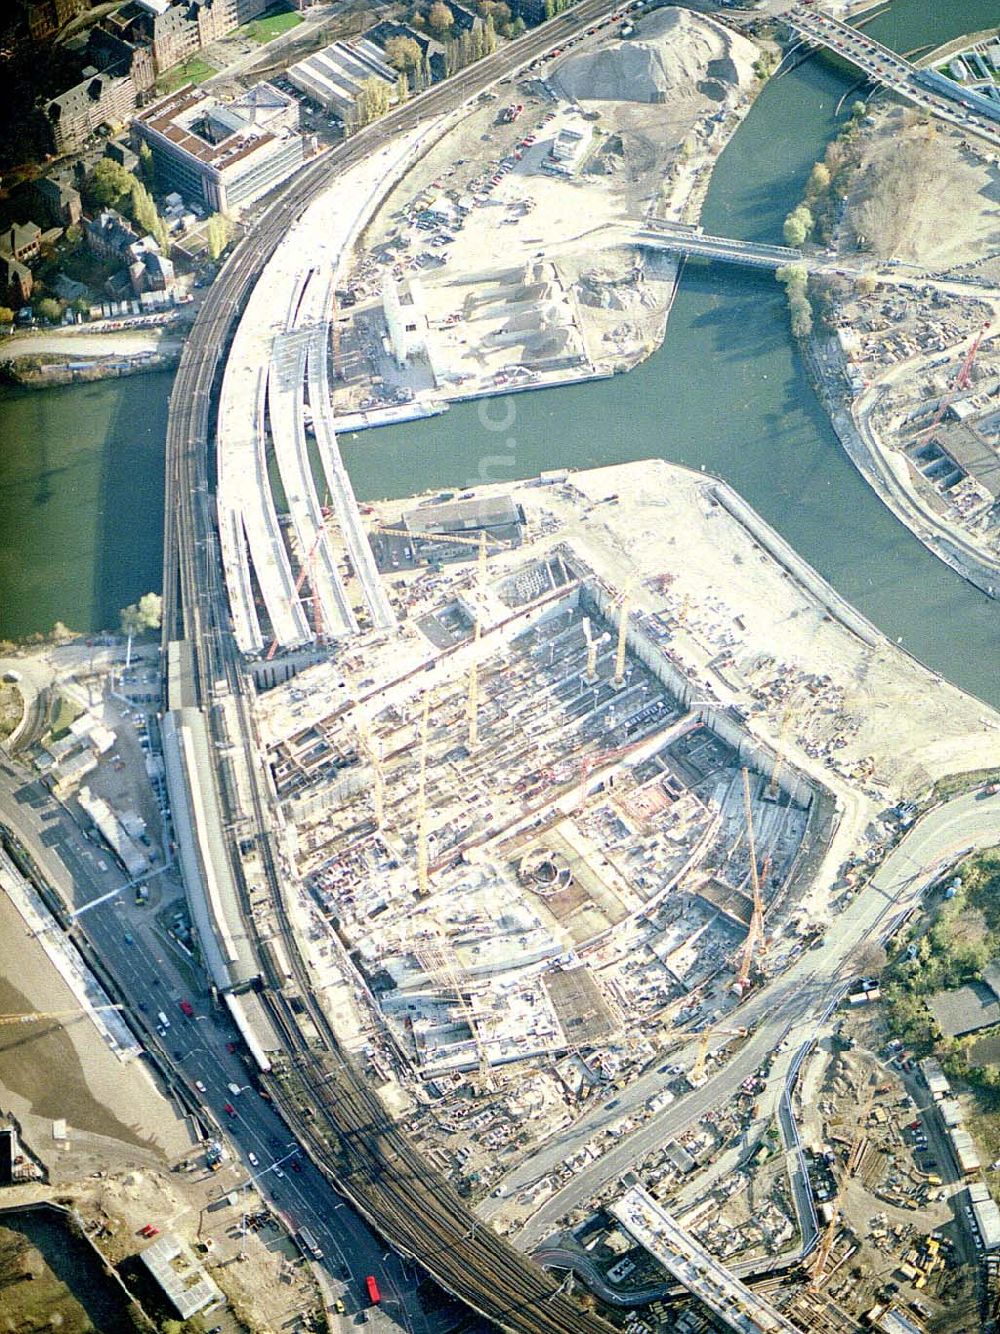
402 89
49 309
142 208
138 617
403 53
219 231
440 18
798 225
109 184
81 305
147 167
819 179
6 315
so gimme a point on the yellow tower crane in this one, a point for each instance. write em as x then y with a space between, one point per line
36 1016
696 1075
438 950
755 935
451 539
373 755
423 881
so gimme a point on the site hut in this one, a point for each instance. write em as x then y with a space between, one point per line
222 156
182 1279
986 1213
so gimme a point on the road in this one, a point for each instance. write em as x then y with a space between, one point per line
789 1010
892 71
148 970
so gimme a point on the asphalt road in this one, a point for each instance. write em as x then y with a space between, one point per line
147 968
788 1012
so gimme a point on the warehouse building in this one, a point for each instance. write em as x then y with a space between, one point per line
335 77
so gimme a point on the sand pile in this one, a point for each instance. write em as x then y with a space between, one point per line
677 53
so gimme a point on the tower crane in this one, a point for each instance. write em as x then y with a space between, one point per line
696 1075
450 539
755 935
307 568
373 755
36 1016
961 380
624 606
594 642
438 951
423 881
473 701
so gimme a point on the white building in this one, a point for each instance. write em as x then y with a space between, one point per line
405 319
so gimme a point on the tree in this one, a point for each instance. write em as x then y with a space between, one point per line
81 305
138 617
6 315
819 179
798 225
147 167
403 53
49 309
440 18
372 100
109 184
219 231
142 208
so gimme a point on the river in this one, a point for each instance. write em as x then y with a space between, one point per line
725 392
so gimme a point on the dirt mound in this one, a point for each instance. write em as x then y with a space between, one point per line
678 53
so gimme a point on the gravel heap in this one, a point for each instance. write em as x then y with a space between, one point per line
676 53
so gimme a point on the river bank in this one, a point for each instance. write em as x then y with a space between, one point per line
916 409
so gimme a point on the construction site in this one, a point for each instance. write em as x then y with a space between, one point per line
575 812
507 256
919 367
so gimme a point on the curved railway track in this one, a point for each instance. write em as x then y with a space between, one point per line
376 1168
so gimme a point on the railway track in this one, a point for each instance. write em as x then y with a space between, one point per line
376 1166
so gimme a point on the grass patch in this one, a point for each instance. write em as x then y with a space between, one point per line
194 70
266 29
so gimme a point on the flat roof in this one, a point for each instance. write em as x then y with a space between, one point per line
966 447
462 515
171 119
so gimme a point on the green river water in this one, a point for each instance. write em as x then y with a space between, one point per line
80 468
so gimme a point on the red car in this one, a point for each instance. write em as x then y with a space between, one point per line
295 1165
230 1047
149 1231
229 1109
188 1009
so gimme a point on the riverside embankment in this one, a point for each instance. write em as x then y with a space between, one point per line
727 391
